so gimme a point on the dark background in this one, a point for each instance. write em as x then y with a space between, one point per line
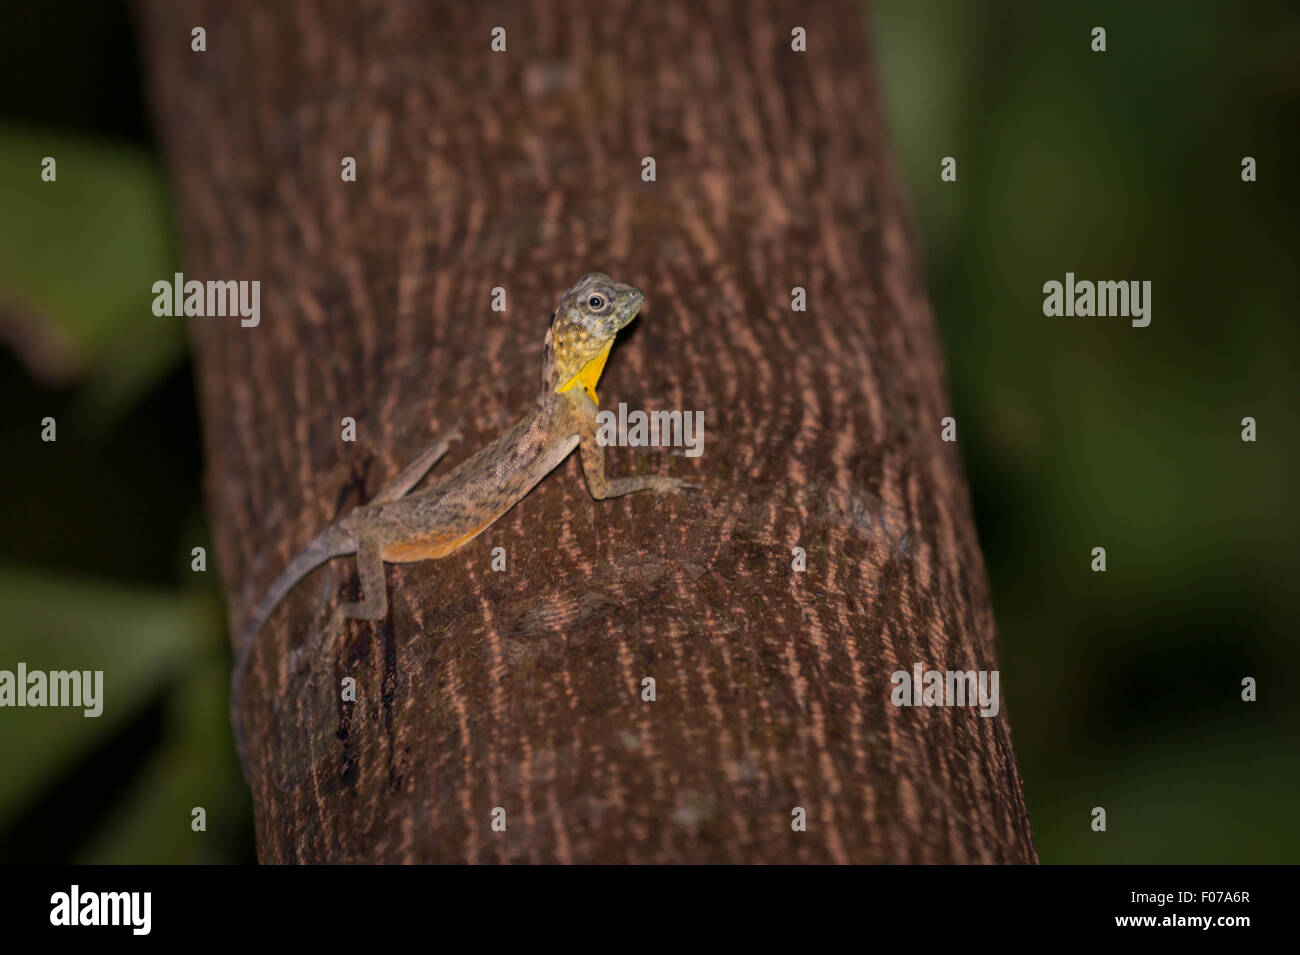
1123 688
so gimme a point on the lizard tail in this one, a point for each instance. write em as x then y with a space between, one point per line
332 542
309 558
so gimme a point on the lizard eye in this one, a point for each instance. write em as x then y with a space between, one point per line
595 303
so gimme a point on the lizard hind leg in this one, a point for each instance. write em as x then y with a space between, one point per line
417 469
303 745
373 604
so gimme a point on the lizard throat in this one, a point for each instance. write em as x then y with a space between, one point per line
590 374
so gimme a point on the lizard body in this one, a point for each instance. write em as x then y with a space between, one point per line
398 527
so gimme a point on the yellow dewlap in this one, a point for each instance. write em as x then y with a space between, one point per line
589 375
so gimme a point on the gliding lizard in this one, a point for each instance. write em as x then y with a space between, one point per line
397 527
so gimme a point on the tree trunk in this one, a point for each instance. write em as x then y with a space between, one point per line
523 689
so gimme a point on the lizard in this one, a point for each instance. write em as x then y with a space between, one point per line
396 526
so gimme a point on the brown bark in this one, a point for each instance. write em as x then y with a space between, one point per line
522 689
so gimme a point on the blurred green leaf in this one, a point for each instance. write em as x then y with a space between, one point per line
1178 801
78 258
1084 433
140 638
152 824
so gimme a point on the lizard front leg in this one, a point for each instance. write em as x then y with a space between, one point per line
602 487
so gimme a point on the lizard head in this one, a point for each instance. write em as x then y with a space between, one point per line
583 328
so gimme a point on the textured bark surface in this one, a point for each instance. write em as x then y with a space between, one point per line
522 689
